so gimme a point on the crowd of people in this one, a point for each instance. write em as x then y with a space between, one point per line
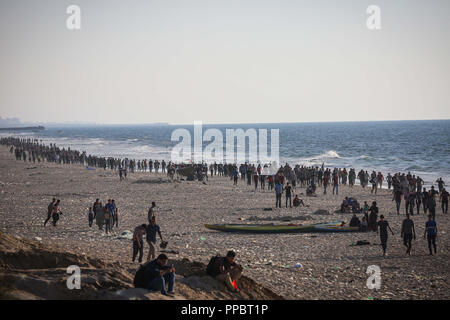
285 179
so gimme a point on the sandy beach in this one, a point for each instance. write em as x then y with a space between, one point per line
333 267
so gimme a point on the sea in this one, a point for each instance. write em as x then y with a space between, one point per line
420 147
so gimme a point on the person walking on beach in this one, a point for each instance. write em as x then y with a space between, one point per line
99 213
278 192
408 233
444 201
50 210
115 214
138 241
152 229
56 212
431 232
398 199
90 216
441 184
383 227
151 212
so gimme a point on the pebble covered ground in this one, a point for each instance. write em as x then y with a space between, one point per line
332 266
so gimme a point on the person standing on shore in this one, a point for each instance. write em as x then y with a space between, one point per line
431 232
50 210
288 194
138 241
278 192
373 216
335 182
152 229
408 233
383 227
108 219
99 213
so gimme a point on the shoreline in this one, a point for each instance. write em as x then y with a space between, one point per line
332 267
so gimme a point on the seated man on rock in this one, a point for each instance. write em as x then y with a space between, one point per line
158 274
225 269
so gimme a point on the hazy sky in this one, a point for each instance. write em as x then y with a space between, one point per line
224 61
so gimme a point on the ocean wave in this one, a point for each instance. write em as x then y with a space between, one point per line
331 154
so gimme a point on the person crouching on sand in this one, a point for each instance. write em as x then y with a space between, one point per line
226 270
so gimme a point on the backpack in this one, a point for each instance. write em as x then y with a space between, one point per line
139 277
213 265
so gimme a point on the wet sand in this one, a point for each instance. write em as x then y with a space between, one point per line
332 267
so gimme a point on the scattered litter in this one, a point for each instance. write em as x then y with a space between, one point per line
126 234
297 265
321 211
267 209
90 168
38 238
203 238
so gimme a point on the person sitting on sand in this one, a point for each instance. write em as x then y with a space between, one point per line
373 216
310 192
226 270
364 224
158 274
345 208
355 222
355 206
297 201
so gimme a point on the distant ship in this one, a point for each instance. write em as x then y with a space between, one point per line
37 128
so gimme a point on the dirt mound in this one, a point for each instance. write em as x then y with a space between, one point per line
30 270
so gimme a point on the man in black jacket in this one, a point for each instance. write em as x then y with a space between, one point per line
158 274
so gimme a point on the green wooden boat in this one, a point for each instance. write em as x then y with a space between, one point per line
283 228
